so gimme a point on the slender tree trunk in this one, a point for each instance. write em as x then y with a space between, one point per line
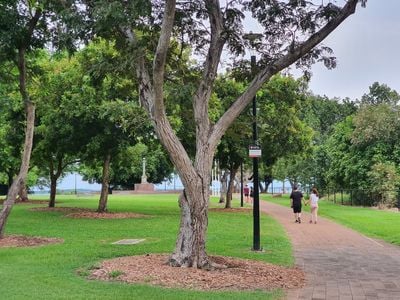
53 191
15 186
10 179
105 184
224 186
30 123
292 182
261 187
267 182
236 186
233 170
54 176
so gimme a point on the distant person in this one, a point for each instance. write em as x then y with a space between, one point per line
246 192
314 198
296 197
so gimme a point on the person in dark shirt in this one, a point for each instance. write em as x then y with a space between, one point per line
296 197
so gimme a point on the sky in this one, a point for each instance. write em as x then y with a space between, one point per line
367 48
70 181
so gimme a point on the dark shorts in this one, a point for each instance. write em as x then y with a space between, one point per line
246 195
297 208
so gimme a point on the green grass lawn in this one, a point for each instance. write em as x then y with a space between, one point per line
371 222
50 272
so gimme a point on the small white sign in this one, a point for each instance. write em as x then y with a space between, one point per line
254 151
128 242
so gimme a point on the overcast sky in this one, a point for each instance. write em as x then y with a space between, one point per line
367 47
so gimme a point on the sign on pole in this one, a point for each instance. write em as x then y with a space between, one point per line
254 151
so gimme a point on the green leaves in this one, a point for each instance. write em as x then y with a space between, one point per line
376 123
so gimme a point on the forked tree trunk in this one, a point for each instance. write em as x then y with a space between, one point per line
190 248
54 176
105 184
267 181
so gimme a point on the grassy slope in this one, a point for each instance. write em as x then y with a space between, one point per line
371 222
50 272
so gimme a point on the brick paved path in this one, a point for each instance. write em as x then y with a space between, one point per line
339 262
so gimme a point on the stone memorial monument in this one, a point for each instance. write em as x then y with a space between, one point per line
144 186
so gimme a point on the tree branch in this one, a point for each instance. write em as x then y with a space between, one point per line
21 55
276 66
67 163
151 94
31 26
203 93
145 85
161 56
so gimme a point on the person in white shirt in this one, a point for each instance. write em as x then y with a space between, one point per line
313 201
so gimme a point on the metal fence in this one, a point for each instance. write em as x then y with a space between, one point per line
362 197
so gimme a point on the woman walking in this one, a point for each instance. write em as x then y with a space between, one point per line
314 197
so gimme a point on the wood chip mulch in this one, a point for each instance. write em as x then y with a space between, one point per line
62 209
107 215
26 241
240 274
28 202
78 212
231 210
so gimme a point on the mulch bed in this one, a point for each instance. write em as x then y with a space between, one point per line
62 209
29 202
107 215
231 210
26 241
240 274
78 212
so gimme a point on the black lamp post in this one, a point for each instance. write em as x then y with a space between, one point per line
254 39
241 185
256 199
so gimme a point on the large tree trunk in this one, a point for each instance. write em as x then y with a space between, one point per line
105 184
190 248
224 186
